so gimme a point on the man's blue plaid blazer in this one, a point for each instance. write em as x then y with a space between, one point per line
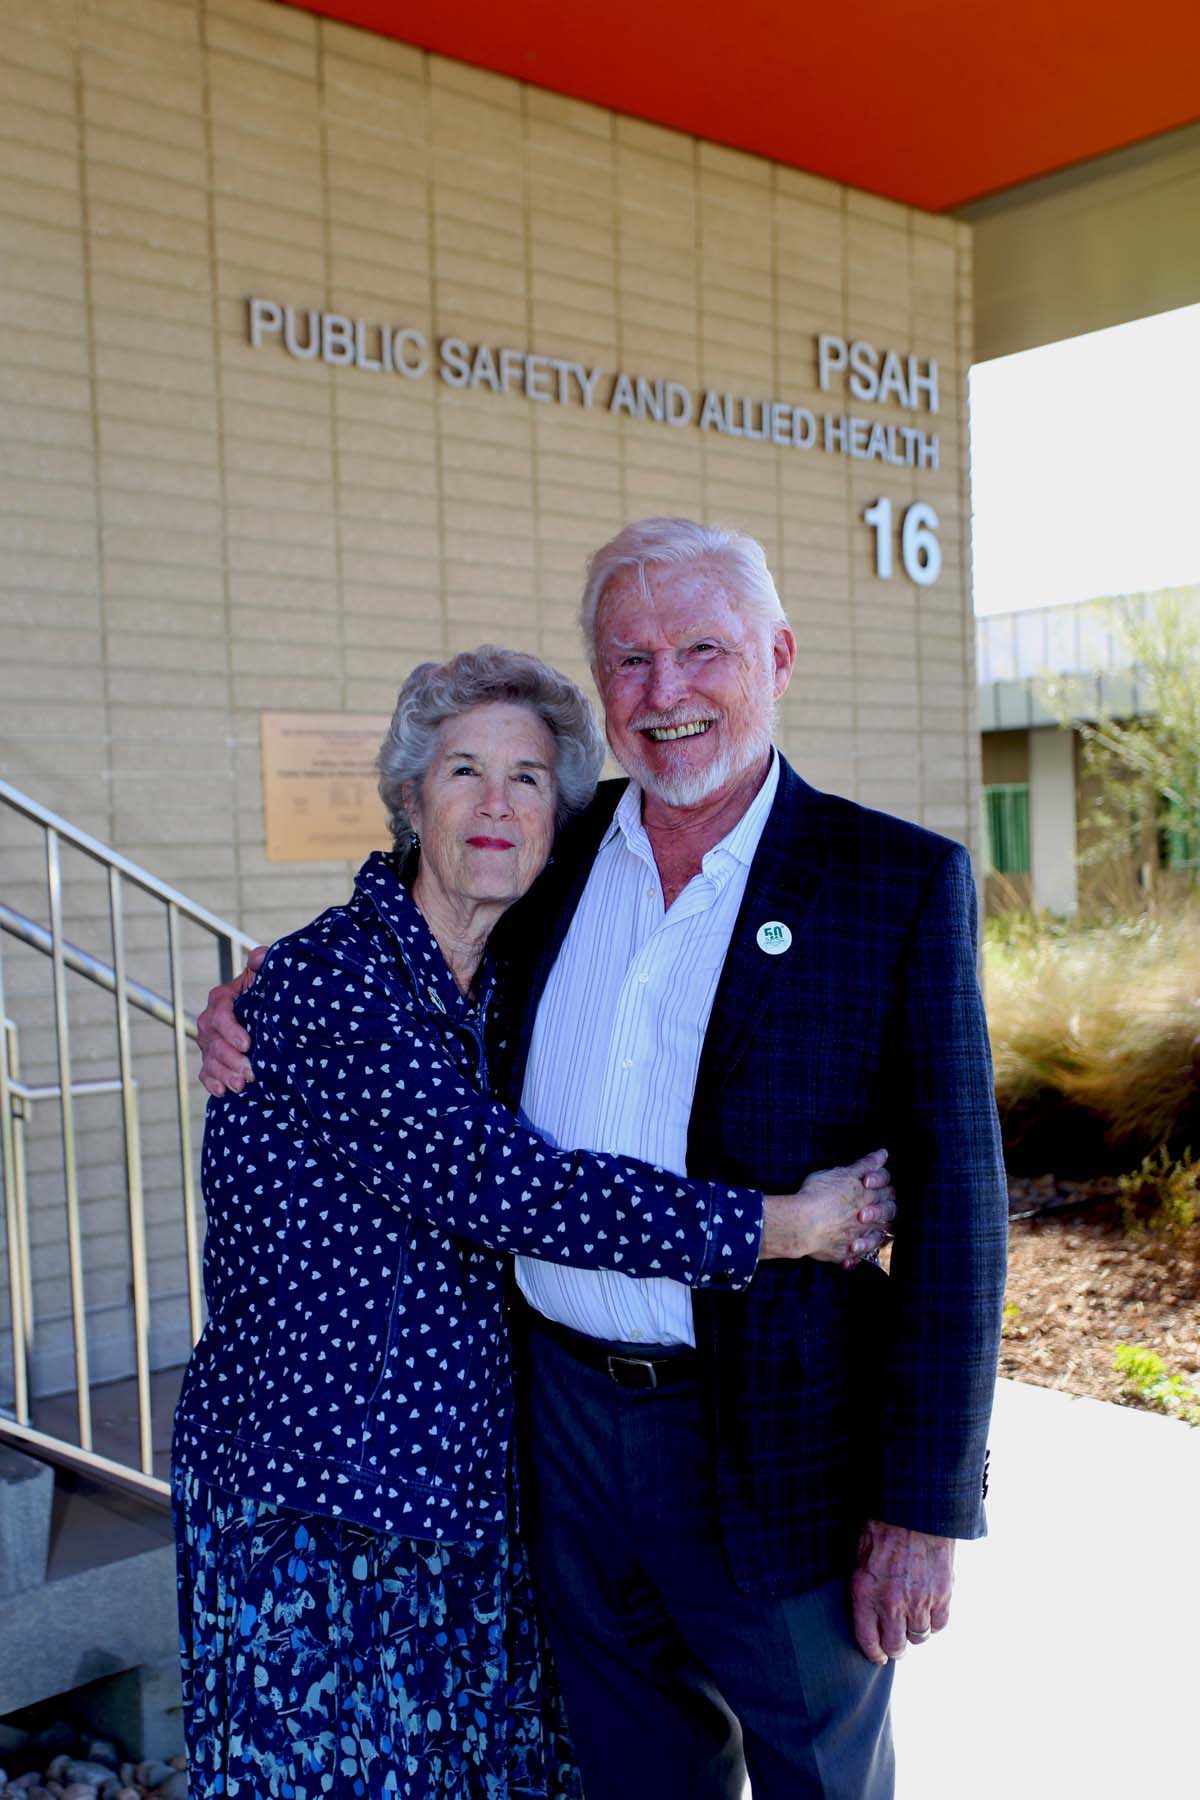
835 1396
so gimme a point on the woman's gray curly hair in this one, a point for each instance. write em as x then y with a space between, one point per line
435 692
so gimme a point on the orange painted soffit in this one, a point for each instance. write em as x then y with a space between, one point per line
924 101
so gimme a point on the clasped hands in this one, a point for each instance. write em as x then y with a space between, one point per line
839 1215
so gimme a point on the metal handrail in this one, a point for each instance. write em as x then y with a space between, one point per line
115 1474
15 1095
82 962
112 859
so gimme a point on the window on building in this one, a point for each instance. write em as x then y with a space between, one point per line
1006 828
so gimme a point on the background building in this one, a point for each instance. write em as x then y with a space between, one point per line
1037 668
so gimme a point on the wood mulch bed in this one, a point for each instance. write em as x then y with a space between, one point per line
1078 1286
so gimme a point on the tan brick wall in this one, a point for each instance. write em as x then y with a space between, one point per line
192 531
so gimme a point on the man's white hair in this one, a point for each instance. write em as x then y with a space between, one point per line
675 541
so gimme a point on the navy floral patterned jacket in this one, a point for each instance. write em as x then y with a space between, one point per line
361 1194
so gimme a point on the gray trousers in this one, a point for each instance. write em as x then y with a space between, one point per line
676 1682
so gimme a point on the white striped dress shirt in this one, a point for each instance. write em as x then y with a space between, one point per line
617 1041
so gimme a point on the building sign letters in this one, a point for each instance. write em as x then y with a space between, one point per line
869 374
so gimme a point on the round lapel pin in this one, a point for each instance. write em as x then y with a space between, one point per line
774 937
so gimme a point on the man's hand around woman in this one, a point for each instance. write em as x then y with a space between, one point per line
222 1040
838 1216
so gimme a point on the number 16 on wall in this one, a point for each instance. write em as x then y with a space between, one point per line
920 551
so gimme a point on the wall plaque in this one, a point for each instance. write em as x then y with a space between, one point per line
319 786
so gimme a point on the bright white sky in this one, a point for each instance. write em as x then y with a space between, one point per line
1085 470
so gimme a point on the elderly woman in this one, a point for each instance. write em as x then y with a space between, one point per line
355 1604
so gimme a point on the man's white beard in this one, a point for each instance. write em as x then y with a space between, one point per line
689 787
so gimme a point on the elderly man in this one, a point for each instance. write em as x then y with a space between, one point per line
726 971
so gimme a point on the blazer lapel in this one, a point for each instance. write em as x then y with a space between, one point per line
785 875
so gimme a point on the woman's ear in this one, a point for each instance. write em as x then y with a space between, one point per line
410 793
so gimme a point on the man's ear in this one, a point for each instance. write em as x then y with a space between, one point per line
783 654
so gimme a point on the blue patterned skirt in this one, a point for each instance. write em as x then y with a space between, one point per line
321 1658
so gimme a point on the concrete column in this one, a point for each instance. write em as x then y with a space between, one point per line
1052 820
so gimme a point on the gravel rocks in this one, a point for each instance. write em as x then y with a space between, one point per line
59 1765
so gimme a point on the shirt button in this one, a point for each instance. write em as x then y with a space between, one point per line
649 893
642 975
636 1336
628 1063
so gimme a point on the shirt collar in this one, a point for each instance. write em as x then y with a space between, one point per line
740 843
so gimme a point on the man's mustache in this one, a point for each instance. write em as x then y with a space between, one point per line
675 715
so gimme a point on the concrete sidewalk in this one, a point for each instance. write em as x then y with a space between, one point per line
1071 1666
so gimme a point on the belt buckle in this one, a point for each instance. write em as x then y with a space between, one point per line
632 1362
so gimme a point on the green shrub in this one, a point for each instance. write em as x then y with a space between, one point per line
1161 1194
1148 1378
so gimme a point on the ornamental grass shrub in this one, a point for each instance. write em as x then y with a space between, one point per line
1096 1038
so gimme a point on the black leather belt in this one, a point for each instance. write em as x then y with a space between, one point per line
621 1364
